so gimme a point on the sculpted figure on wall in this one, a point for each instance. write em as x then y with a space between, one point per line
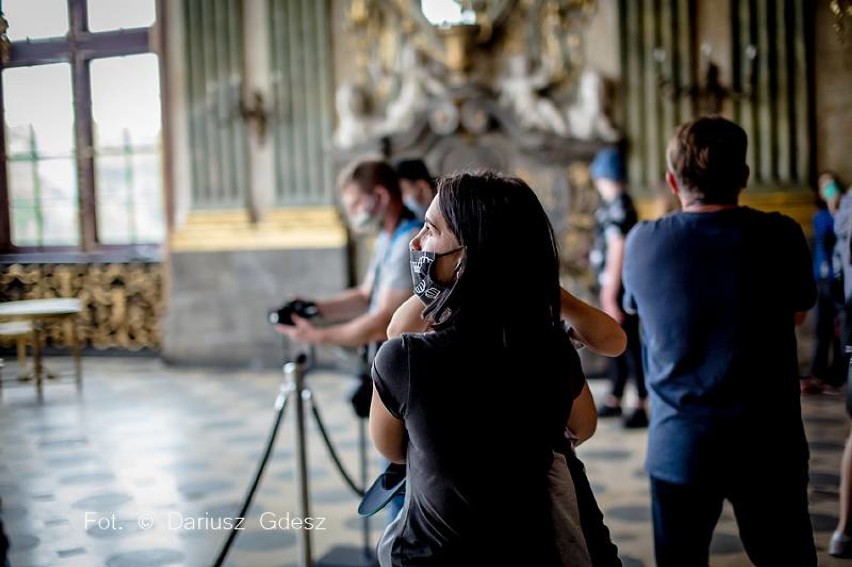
355 124
521 89
417 87
587 119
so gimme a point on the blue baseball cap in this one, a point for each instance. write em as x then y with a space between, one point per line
608 165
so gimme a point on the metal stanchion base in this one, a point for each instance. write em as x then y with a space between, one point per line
346 556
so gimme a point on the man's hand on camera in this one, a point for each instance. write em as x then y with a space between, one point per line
302 330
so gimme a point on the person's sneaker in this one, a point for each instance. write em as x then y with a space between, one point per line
606 410
840 545
637 420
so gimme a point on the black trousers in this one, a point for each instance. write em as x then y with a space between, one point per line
629 363
828 358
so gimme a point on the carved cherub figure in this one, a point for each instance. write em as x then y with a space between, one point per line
417 87
520 89
355 124
586 116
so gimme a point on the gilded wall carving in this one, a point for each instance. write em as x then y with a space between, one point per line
122 303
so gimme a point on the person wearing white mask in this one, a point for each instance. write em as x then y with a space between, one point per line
372 199
417 185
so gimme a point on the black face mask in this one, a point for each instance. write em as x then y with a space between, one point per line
425 287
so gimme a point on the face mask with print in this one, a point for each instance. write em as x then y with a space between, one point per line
425 287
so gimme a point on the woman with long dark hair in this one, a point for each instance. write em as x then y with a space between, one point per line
478 408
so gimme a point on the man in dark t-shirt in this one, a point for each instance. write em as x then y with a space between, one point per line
614 218
718 289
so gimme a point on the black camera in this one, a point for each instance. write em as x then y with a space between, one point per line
284 315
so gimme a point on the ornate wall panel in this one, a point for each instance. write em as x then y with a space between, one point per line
684 58
300 61
216 103
122 303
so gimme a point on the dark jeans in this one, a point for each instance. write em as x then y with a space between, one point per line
829 359
629 363
772 516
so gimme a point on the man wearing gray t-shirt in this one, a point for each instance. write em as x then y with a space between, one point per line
372 200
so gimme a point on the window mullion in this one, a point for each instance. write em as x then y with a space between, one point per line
5 204
83 132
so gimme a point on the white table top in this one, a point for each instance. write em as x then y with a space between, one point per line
36 308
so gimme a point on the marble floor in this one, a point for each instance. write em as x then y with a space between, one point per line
147 466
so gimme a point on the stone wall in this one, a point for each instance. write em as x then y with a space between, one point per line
833 93
218 302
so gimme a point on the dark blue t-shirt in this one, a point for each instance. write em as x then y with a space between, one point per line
716 295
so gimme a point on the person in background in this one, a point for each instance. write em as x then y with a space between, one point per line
372 199
441 399
614 218
719 289
827 366
840 544
373 203
417 184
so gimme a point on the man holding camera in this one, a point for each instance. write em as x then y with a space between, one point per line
372 199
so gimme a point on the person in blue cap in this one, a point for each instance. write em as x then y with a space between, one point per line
614 218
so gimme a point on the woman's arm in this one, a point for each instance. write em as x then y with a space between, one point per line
592 327
584 417
387 432
408 318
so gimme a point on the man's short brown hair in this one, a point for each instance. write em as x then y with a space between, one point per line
708 158
369 174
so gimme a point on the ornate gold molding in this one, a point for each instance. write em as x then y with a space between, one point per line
296 227
122 303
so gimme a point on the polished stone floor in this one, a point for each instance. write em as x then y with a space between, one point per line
147 466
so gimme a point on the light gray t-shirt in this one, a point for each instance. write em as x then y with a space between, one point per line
843 232
389 264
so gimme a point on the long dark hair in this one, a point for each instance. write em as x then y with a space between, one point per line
508 279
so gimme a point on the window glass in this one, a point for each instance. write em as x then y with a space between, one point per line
443 12
126 111
40 137
36 19
112 15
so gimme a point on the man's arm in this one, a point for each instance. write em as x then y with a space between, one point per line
801 275
367 328
592 327
346 305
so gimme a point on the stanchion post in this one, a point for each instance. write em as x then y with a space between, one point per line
295 372
362 449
